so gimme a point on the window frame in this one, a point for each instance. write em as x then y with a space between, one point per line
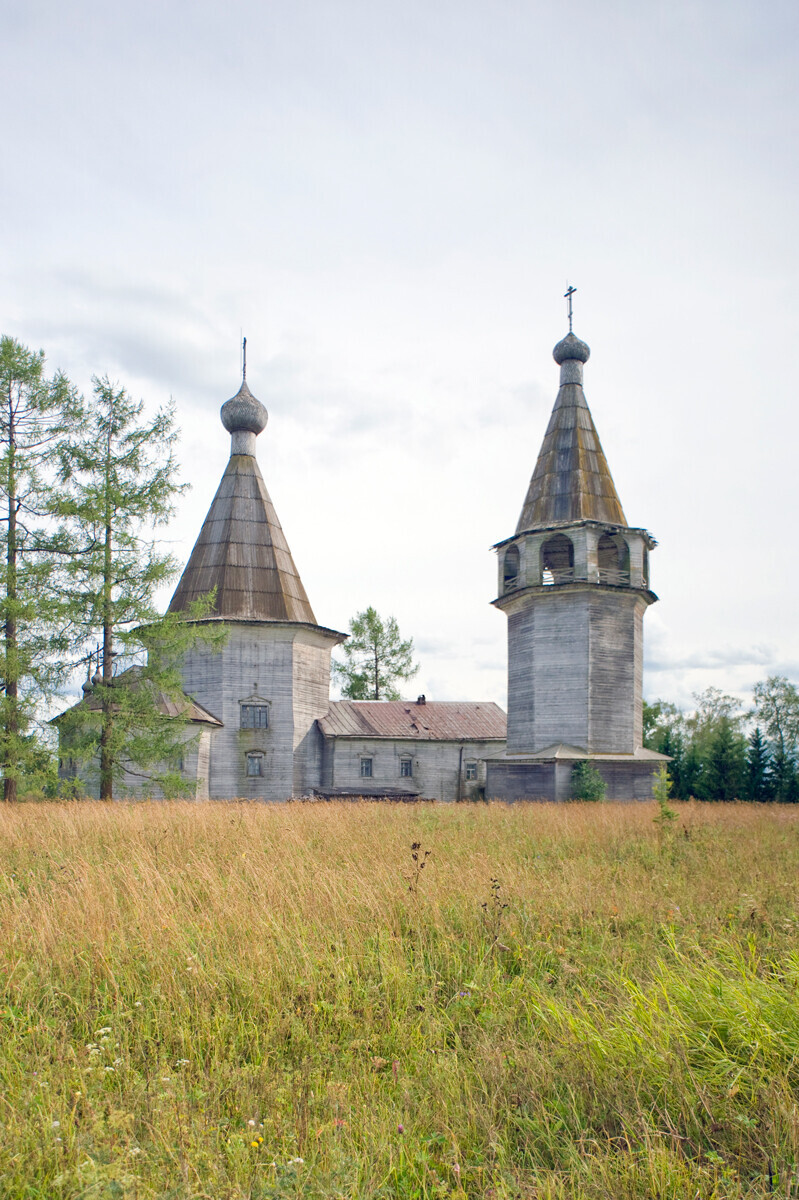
255 757
367 766
470 770
406 761
254 707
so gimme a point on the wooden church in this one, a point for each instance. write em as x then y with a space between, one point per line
573 582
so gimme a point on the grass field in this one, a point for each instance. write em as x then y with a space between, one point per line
224 1000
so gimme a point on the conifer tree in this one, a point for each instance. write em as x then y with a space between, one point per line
725 762
121 482
36 417
376 658
758 768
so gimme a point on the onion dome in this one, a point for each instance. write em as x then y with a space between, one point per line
243 413
571 348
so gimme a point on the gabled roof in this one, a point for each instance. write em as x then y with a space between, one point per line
571 481
434 720
241 550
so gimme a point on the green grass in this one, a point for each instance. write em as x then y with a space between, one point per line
229 1001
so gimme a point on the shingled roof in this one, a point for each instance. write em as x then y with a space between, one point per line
571 481
242 550
430 721
180 705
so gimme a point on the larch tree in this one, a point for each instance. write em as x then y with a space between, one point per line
37 417
376 658
120 484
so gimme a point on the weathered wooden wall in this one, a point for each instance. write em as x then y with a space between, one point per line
575 659
287 666
438 766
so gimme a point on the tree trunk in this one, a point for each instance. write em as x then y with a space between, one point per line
11 730
106 753
106 749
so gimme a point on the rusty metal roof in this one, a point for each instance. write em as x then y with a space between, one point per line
571 481
241 550
434 720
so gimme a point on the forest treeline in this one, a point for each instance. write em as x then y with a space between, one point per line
724 751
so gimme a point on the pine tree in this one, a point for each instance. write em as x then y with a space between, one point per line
121 484
376 658
36 417
726 762
759 784
777 708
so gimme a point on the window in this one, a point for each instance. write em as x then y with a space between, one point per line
557 560
255 766
510 568
613 559
471 770
366 768
406 768
255 716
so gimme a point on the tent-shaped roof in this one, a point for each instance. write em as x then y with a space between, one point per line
571 481
242 551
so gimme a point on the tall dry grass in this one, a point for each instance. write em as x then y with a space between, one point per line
206 1000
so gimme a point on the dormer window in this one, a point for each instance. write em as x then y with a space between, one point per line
254 716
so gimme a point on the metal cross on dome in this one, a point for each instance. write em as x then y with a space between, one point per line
568 296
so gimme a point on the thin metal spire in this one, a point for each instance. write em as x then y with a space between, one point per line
244 360
568 296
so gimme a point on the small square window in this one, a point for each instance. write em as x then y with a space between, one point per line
406 768
366 768
255 765
255 716
471 770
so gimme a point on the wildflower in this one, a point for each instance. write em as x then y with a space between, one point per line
137 1004
56 1124
182 1062
251 1122
400 1129
464 993
102 1032
296 1162
134 1150
109 1070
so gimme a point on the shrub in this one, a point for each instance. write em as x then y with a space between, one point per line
586 783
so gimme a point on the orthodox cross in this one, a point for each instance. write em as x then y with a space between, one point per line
244 358
568 296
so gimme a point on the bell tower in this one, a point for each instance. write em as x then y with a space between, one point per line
574 585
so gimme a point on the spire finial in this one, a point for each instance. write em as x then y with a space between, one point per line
567 295
244 360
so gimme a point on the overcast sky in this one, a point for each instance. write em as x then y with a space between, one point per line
388 197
